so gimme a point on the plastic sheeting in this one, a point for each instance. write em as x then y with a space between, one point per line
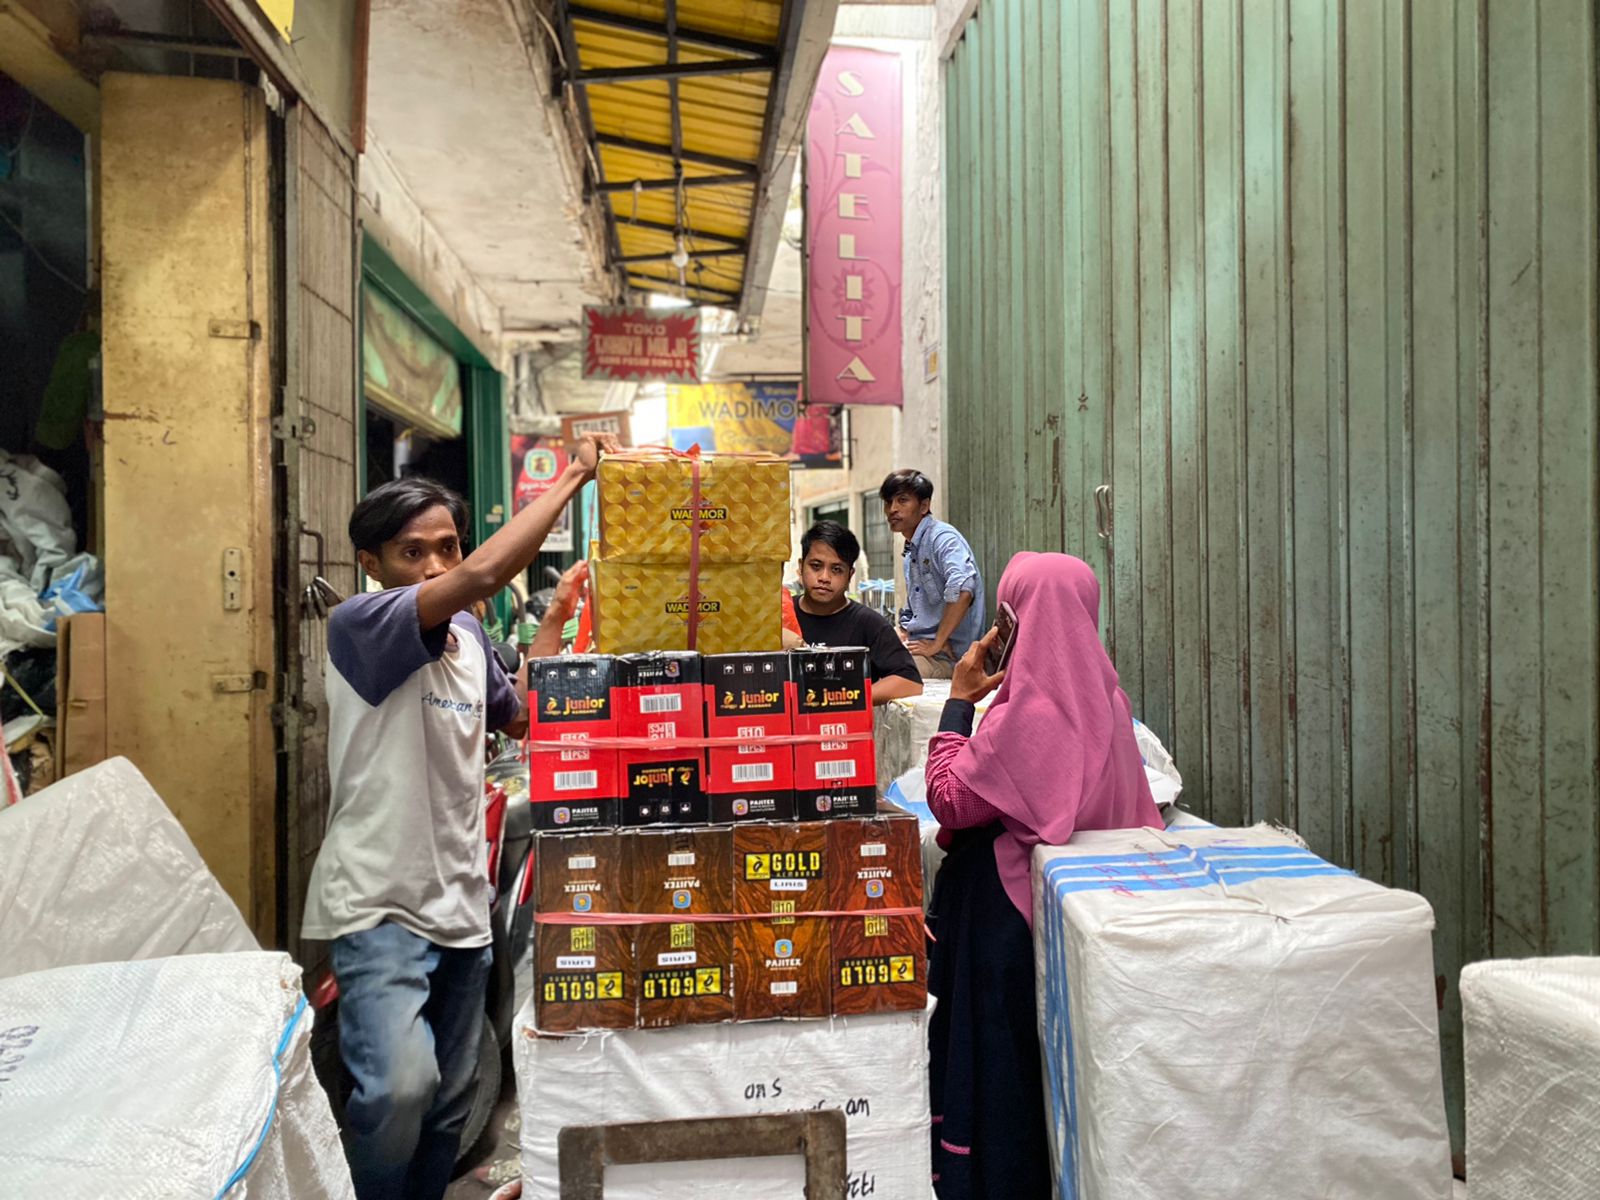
875 1068
1222 1013
1533 1078
95 869
170 1077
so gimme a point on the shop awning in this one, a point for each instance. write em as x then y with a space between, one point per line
689 108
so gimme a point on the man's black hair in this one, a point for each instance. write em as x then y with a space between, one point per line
386 509
836 537
901 482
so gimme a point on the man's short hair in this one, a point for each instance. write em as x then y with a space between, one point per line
901 482
836 537
386 509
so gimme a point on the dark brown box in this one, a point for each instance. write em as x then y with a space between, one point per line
880 964
581 872
874 863
780 868
684 973
675 871
781 968
583 978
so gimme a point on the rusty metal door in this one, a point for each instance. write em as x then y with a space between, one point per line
1313 289
316 432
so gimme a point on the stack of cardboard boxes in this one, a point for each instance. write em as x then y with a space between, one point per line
803 923
668 702
640 578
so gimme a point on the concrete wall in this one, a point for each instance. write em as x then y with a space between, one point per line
391 214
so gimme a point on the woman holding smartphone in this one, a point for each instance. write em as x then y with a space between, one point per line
1055 754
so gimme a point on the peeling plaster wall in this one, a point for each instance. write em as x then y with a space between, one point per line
392 215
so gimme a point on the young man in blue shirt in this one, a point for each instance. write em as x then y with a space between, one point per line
945 609
401 883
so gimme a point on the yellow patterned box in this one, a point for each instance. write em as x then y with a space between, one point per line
646 501
645 606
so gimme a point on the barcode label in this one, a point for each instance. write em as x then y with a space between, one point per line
577 781
676 958
581 862
839 769
874 850
575 962
671 702
751 773
788 987
681 858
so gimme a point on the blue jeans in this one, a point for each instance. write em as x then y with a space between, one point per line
409 1017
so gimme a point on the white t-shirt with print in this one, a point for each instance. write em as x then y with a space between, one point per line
407 717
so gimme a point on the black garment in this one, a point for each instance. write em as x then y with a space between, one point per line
857 625
989 1139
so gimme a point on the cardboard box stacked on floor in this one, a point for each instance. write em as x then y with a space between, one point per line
718 893
776 917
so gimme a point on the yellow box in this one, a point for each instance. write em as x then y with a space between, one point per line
645 606
646 500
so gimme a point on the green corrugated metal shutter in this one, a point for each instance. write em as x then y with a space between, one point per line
1313 288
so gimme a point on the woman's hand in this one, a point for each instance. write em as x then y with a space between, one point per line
972 681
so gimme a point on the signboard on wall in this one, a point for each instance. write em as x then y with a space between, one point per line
641 345
614 423
406 371
536 464
853 231
747 418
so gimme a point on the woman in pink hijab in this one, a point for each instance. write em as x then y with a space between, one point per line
1055 754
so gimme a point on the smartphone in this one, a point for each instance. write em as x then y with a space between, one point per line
999 655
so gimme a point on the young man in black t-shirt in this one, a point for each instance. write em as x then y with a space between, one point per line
828 617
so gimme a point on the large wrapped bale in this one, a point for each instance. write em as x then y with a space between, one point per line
1533 1078
875 1068
96 869
169 1077
1225 1014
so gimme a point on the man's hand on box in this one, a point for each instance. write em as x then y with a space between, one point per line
586 454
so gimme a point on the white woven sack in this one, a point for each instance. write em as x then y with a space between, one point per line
96 869
170 1077
1533 1078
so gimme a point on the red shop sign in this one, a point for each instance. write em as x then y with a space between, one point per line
641 345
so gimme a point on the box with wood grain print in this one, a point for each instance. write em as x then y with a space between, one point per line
582 972
683 970
781 965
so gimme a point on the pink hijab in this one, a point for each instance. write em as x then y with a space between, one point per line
1055 752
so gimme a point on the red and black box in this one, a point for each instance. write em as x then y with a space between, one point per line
837 776
750 696
661 696
569 699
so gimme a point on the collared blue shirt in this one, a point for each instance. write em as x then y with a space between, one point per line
939 567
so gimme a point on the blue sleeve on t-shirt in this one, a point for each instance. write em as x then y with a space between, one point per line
503 705
376 641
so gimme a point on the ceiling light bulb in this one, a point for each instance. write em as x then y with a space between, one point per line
680 256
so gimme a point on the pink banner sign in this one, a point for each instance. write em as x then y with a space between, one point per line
853 231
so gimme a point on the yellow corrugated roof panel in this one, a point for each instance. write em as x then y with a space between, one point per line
719 115
748 20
